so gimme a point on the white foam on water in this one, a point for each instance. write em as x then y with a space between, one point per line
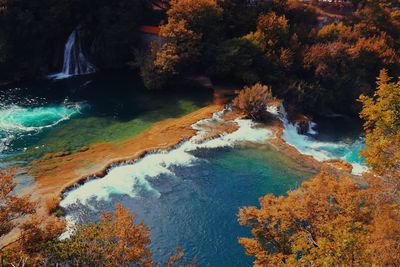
16 118
321 151
70 227
311 128
131 178
358 168
21 121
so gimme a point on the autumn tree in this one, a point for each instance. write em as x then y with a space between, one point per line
180 47
272 31
188 39
116 240
381 113
253 101
328 221
273 38
344 57
30 233
12 207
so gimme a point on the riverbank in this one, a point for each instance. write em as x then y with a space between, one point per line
184 192
57 172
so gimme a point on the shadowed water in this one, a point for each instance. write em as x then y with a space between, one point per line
328 138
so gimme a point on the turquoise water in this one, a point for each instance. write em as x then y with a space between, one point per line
52 116
195 206
189 196
18 122
330 138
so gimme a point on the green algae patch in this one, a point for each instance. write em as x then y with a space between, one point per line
84 131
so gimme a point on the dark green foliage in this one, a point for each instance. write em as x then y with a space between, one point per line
239 59
307 62
111 30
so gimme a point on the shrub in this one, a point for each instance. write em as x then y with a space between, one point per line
253 101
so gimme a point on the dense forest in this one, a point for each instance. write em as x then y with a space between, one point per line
319 63
315 61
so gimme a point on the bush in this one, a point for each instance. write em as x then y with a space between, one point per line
253 101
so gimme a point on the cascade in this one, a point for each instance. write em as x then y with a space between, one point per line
75 61
309 145
132 177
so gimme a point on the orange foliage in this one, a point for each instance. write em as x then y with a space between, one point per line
131 240
253 101
328 221
116 240
382 125
12 207
52 204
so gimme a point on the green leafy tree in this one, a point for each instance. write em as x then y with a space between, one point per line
239 59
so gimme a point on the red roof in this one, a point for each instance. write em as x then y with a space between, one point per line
149 29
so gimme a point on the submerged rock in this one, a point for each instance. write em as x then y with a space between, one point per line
303 124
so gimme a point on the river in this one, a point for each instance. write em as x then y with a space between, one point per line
189 195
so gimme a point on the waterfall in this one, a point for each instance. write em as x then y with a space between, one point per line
134 177
309 145
75 61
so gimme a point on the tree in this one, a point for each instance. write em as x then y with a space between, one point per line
272 35
328 221
32 232
336 31
116 240
33 34
201 16
342 58
192 30
240 60
382 126
253 101
374 17
239 17
12 207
